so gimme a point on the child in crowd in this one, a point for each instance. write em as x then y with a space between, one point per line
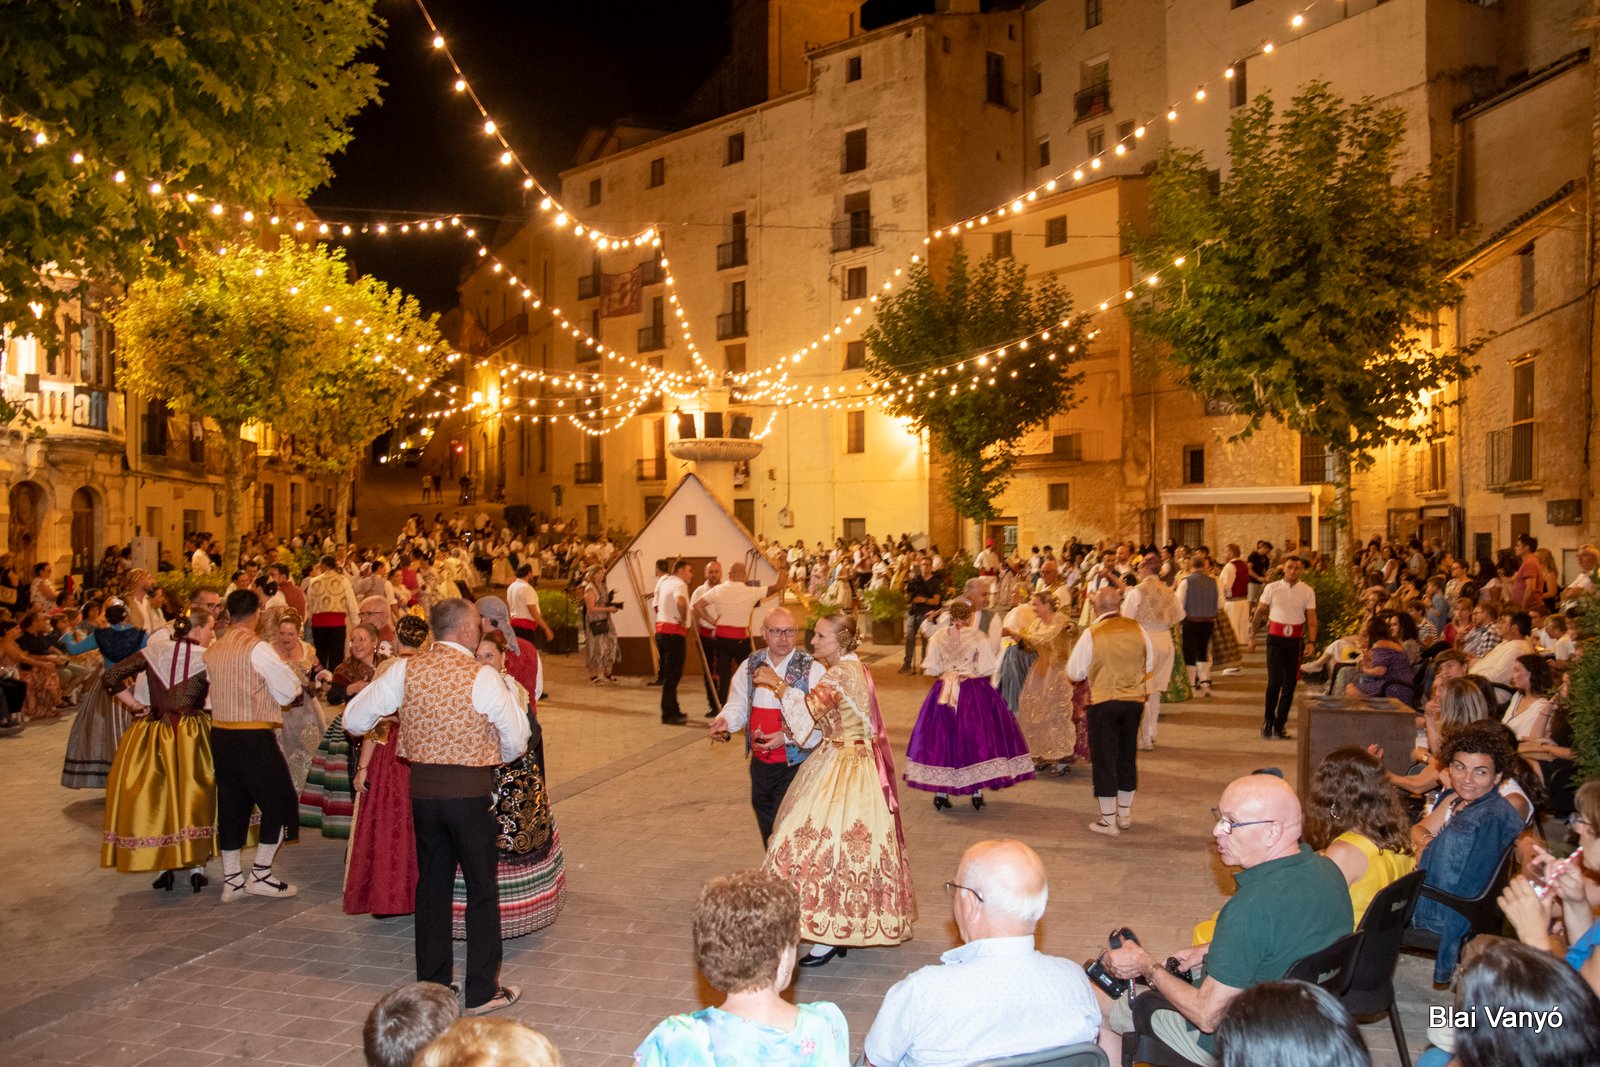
405 1021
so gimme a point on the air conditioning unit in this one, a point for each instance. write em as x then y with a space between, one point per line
785 518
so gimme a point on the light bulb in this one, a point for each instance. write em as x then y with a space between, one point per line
489 126
1200 94
1297 21
438 42
505 159
461 85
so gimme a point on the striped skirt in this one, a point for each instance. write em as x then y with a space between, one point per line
328 800
531 895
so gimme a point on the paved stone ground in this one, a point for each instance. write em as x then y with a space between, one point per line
99 969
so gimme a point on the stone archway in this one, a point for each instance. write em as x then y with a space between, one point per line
88 524
27 504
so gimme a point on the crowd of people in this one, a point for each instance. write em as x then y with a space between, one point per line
388 698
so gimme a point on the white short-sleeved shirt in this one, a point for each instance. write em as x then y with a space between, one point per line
1289 603
667 593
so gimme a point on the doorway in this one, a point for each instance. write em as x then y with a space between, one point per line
86 527
27 521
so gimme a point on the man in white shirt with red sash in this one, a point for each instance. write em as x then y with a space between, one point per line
729 606
762 684
705 625
1290 607
672 628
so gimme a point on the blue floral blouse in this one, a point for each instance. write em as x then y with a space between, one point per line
712 1037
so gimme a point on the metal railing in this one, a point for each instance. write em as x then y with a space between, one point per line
651 469
734 253
855 231
652 338
588 473
1095 100
733 324
588 286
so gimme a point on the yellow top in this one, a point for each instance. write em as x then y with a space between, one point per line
1383 867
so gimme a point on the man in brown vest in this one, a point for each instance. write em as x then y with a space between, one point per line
250 685
1115 657
457 723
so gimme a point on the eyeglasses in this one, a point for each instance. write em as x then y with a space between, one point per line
1483 774
1575 820
788 631
951 887
1228 824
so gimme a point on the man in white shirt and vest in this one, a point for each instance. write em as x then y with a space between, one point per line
705 635
1290 608
250 684
672 628
1115 657
458 721
333 608
762 684
728 606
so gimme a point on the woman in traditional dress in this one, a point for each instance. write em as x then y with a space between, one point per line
161 800
303 720
380 874
532 873
501 571
1016 654
1044 710
1153 606
600 648
101 721
837 836
966 740
328 800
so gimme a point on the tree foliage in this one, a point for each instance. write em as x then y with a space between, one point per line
1312 274
928 345
241 102
285 337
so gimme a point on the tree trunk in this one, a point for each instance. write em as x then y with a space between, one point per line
232 493
344 483
1340 517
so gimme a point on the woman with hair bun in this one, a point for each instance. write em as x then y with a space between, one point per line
837 836
161 799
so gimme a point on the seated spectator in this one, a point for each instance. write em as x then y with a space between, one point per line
1290 902
1290 1023
746 936
1385 669
1484 632
1568 897
1456 701
1528 714
490 1043
1558 639
1511 981
1461 841
995 995
1495 664
1354 817
405 1021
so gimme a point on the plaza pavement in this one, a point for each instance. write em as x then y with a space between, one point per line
100 969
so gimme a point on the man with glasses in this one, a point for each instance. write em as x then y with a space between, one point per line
996 995
761 686
1289 902
375 610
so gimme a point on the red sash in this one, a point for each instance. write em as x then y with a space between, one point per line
733 633
1286 629
670 628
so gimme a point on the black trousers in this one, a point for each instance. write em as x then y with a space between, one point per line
251 773
1283 674
1114 745
329 643
769 783
672 649
731 652
449 833
913 624
1197 640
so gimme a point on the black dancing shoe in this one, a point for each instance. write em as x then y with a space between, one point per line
1266 732
941 803
977 802
163 882
198 881
818 961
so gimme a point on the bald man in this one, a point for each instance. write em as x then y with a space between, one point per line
777 675
1289 902
996 995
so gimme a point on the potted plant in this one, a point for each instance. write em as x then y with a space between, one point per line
887 606
563 615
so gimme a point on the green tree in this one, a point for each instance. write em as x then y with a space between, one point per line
241 102
1313 274
285 337
928 360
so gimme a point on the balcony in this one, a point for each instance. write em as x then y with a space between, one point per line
733 324
1511 458
652 338
171 441
854 231
588 473
734 253
511 329
652 469
588 286
652 273
1095 100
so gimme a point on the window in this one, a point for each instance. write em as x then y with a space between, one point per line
1188 532
852 69
1525 274
1060 496
1036 80
1521 467
735 150
1055 231
855 355
1067 447
1317 460
855 284
1124 131
1432 468
1325 538
591 519
733 356
994 79
855 151
1097 140
658 172
594 191
1091 14
1044 152
652 504
855 229
1094 90
855 529
855 431
1194 465
744 509
1238 94
1002 244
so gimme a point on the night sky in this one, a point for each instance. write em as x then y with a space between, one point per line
547 72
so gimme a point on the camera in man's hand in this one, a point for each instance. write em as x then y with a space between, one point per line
1110 984
1174 968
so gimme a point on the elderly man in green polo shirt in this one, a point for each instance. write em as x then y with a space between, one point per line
1289 903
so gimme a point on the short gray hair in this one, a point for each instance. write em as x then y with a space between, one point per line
974 584
998 892
447 616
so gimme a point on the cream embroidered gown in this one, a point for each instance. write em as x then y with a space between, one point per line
837 836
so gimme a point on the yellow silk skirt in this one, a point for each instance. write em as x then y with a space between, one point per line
161 799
